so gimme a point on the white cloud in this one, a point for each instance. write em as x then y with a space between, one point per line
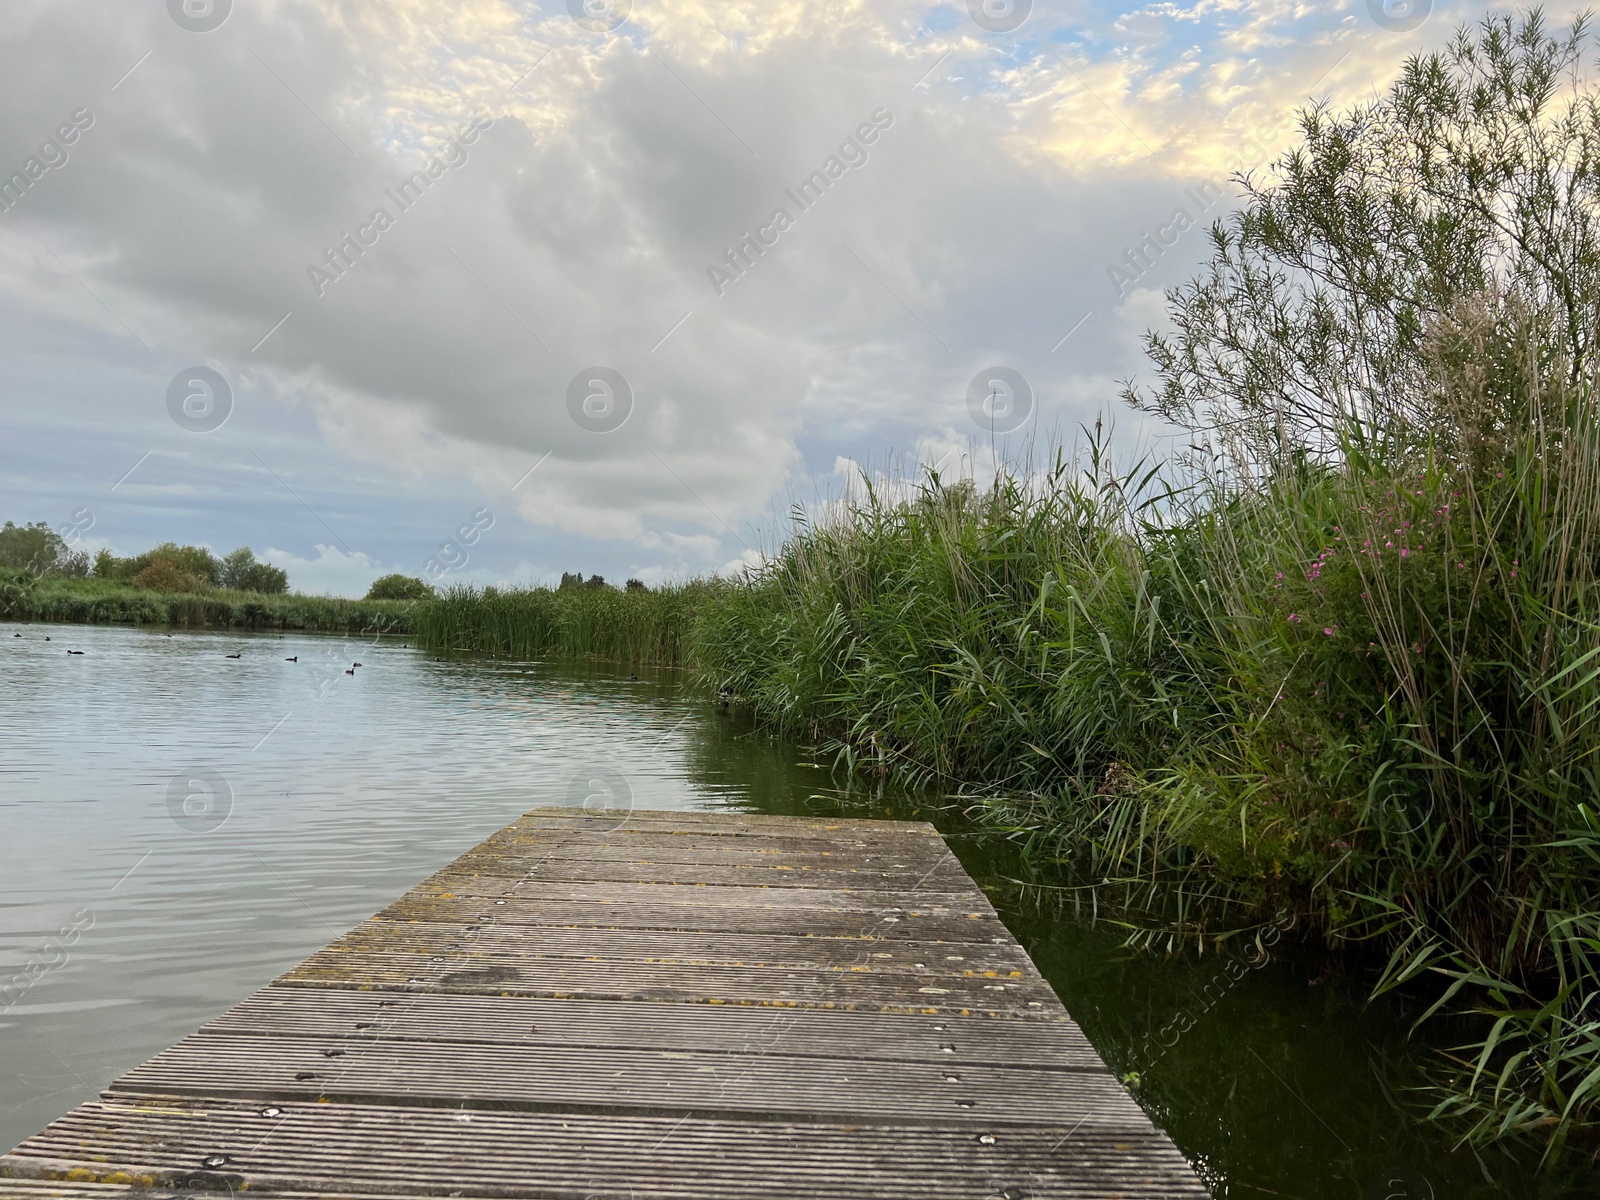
750 560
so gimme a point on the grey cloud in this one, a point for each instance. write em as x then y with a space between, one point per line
210 184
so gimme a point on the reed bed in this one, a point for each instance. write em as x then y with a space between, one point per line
644 626
638 625
1364 692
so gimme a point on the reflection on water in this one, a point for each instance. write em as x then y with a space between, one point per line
180 826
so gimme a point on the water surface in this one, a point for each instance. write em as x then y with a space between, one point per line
321 796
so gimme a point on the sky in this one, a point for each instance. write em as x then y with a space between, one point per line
490 290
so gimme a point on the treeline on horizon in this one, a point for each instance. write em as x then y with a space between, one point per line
43 578
42 552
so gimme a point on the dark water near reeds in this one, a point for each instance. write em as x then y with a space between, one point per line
334 793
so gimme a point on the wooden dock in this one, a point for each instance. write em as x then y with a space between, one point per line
684 1005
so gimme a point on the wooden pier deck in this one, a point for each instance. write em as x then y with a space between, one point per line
670 1005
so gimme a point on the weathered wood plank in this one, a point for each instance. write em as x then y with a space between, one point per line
715 838
1050 1041
940 878
627 842
696 895
684 983
943 925
348 1150
722 821
696 947
622 824
774 1086
646 1005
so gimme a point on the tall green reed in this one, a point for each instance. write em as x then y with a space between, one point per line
1363 690
637 625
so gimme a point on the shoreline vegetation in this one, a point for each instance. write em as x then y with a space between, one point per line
637 626
93 601
1336 666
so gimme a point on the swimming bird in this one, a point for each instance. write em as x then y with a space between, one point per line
47 639
351 671
16 635
74 651
355 664
296 658
233 656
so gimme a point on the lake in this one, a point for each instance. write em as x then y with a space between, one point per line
204 822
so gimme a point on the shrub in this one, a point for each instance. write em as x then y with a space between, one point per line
399 587
196 562
164 575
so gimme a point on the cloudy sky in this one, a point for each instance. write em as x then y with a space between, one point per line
549 268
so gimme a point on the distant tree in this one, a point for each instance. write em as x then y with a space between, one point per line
243 572
40 550
571 579
236 569
30 547
193 560
636 585
595 581
269 580
399 587
109 567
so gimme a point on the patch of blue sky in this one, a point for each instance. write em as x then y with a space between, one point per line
944 18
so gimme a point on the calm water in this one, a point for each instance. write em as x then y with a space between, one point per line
323 795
